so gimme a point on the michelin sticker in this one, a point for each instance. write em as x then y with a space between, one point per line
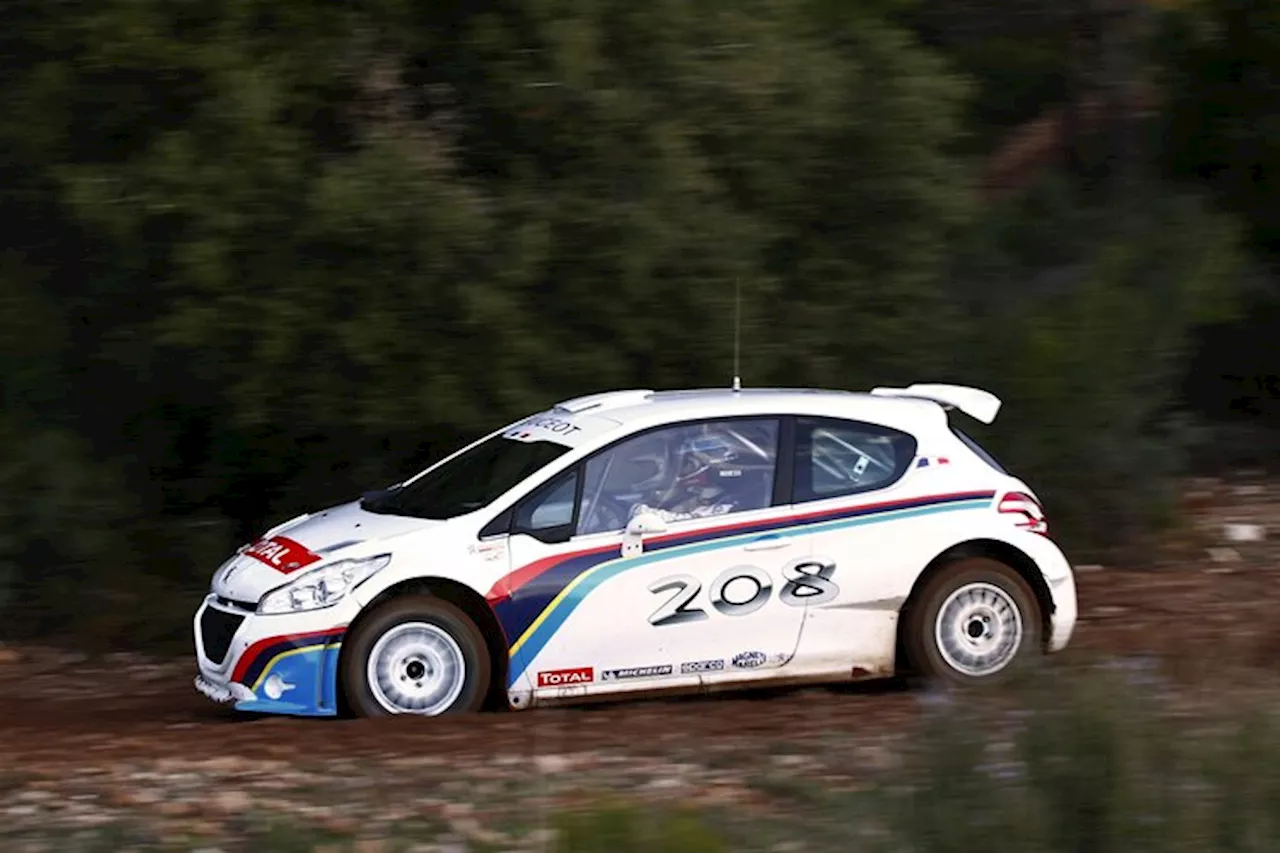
635 672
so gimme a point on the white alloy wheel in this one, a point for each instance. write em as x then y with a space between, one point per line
978 629
975 620
416 668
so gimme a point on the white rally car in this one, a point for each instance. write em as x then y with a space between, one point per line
641 542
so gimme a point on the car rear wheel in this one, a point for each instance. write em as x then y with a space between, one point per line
974 622
415 655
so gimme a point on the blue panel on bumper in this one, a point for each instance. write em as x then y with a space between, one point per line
305 680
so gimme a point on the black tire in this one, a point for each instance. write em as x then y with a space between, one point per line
416 608
926 659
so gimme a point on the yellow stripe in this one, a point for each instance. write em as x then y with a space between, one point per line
726 541
676 551
546 611
668 553
275 660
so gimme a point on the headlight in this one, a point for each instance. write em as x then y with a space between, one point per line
322 587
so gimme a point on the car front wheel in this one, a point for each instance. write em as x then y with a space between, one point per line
415 655
973 622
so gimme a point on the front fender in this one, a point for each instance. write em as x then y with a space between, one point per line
476 569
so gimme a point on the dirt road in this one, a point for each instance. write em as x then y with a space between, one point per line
1204 606
1201 604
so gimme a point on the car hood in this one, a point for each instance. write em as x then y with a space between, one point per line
284 551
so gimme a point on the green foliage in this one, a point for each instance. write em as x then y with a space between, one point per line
1086 336
1018 53
1221 65
1090 760
262 256
61 512
623 828
1220 62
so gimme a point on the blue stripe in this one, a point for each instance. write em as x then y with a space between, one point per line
517 613
544 632
527 603
255 669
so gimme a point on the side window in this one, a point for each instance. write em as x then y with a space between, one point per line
683 471
548 512
838 457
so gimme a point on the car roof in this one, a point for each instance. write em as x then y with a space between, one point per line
637 408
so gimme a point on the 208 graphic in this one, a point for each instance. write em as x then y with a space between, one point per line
808 581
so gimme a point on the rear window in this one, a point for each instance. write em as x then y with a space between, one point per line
978 449
837 457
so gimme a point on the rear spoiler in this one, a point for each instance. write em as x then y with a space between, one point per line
974 402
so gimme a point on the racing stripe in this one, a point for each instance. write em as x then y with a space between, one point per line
543 594
518 611
258 657
508 584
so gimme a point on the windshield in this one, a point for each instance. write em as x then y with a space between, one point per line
467 482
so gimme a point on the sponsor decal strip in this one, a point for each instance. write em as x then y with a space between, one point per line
533 602
262 655
566 677
635 672
702 666
282 554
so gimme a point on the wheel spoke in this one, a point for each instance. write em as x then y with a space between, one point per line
979 629
416 668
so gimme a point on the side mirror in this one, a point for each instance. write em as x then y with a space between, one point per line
646 524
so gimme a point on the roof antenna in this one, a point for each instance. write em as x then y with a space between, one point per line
737 324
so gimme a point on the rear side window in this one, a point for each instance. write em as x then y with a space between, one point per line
839 457
979 450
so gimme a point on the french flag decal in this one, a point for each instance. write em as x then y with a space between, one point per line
926 461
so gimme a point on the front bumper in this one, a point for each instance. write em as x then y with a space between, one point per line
277 664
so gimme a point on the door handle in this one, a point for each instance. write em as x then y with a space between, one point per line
767 543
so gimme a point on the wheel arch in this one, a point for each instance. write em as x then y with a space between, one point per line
993 549
466 599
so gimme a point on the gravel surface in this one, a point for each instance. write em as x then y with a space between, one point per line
122 748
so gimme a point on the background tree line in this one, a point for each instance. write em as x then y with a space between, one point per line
258 257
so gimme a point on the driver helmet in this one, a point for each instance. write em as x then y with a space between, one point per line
708 464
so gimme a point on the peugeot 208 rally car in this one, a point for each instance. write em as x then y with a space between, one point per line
641 542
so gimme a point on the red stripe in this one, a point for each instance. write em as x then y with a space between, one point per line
503 588
251 653
818 513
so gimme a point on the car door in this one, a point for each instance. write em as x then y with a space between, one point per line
847 484
701 600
